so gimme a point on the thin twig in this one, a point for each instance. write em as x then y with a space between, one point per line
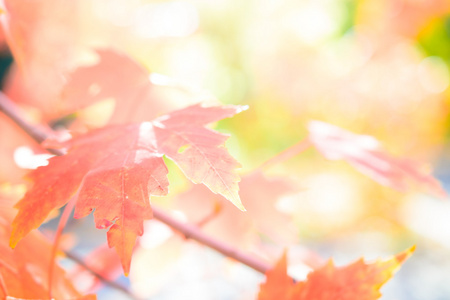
287 153
189 231
106 281
3 286
211 216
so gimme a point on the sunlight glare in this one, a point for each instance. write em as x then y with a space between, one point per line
332 195
314 22
434 74
155 234
25 158
167 19
428 217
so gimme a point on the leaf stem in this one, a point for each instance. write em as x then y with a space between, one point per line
62 223
189 231
3 286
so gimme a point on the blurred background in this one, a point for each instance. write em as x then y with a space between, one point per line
373 67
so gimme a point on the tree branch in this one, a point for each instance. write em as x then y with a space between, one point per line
189 231
193 232
12 112
106 281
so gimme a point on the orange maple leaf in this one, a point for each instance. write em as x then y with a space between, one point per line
114 170
359 280
24 273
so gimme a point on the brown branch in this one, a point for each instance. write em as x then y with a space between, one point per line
189 231
12 112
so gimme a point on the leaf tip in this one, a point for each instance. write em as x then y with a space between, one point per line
12 244
402 256
237 202
126 264
15 236
13 240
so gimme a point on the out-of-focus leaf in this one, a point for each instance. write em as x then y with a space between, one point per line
365 154
259 195
137 94
43 38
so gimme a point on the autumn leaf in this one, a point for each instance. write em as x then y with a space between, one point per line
359 280
98 82
45 40
364 153
199 151
136 94
278 284
115 169
24 273
259 195
51 42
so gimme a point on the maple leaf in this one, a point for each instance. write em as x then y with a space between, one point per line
259 194
135 94
97 82
359 280
364 153
45 39
115 169
24 273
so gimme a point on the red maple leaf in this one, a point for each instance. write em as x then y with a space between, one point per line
358 280
114 170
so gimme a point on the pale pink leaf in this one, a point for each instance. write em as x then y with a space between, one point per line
365 154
